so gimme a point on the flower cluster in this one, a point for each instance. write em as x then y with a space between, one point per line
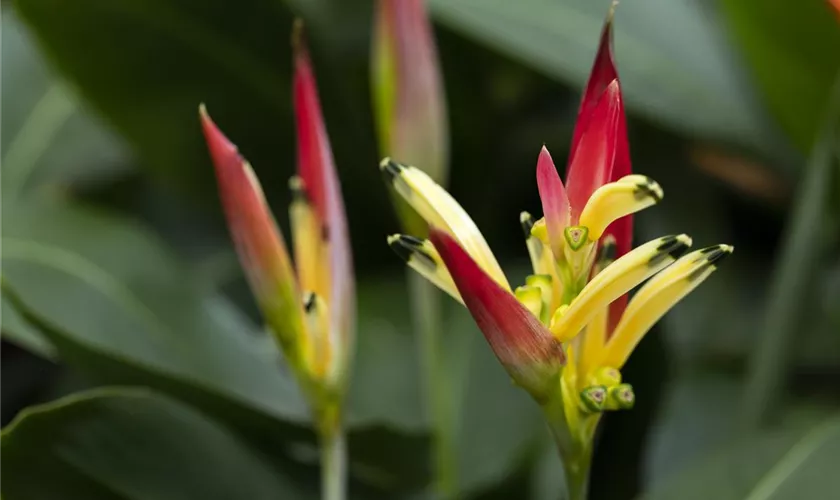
566 333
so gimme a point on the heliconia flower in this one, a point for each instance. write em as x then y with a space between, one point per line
835 4
408 96
554 334
309 307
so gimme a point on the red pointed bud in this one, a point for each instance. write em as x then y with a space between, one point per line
408 93
603 73
526 348
317 171
592 164
258 241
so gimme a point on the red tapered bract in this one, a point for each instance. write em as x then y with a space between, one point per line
527 350
555 203
256 237
316 168
604 73
592 164
408 91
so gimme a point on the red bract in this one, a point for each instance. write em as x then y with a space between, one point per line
524 346
603 74
317 171
258 242
408 93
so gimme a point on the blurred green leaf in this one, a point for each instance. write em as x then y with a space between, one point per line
109 291
803 252
48 138
792 50
674 61
147 65
16 330
691 423
131 444
118 306
783 464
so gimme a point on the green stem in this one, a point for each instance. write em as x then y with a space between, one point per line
802 250
426 316
333 465
573 445
577 474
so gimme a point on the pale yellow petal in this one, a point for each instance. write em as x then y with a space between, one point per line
594 340
310 248
319 351
612 201
542 260
531 298
659 295
422 256
441 210
595 334
617 279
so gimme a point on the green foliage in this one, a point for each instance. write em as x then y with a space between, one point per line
791 48
98 274
48 138
674 65
161 59
122 443
786 463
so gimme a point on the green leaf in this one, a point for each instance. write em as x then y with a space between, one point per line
146 65
129 444
673 59
18 331
778 465
118 306
804 250
115 302
792 50
691 423
49 138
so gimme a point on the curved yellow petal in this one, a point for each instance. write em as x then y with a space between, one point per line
542 259
617 279
595 335
441 210
530 297
424 258
612 201
659 295
310 247
319 349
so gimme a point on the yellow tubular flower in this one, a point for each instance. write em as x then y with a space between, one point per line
623 275
439 209
626 196
566 333
422 256
658 296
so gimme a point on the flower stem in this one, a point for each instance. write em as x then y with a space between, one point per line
577 474
426 316
333 464
574 444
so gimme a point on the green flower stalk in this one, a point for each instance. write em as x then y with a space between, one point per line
565 334
410 113
309 307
